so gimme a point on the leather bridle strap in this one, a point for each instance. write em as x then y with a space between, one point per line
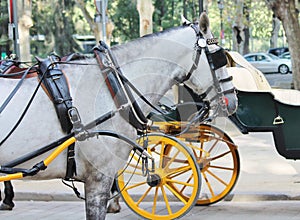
198 53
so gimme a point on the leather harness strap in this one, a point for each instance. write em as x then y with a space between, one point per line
55 84
119 89
10 69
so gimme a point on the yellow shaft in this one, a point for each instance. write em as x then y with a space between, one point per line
58 150
47 161
11 177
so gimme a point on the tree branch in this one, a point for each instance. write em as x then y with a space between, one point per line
86 14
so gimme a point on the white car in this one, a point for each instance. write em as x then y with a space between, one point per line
269 63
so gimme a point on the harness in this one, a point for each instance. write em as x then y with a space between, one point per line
118 87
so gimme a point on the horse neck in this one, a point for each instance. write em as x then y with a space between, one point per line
153 63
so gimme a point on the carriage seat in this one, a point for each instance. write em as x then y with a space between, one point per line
247 78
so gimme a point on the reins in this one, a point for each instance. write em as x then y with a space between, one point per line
11 95
27 106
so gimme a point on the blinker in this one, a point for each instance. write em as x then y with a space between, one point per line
202 42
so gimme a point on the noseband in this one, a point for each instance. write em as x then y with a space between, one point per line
216 60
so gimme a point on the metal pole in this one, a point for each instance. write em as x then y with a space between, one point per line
221 7
222 27
103 12
200 7
16 30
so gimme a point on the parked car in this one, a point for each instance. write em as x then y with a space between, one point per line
269 63
285 55
278 50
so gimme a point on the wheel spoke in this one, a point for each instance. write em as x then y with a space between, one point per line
135 166
176 194
180 182
135 185
220 155
162 154
166 200
172 159
217 178
213 146
133 172
143 196
178 171
201 149
154 201
189 179
208 185
222 168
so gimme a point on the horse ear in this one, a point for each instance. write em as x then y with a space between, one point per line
204 22
184 21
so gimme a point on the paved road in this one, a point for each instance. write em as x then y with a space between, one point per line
280 81
258 210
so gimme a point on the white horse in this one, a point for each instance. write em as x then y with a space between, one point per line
153 64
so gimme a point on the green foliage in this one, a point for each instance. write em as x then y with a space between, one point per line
126 19
260 20
58 20
5 43
55 21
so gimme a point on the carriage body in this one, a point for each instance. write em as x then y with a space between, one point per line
263 109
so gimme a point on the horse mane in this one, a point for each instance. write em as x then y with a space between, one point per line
163 32
146 37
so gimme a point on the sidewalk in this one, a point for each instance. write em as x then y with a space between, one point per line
264 175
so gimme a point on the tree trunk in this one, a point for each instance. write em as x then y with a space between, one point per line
184 9
289 16
96 27
24 24
238 28
246 12
145 9
275 31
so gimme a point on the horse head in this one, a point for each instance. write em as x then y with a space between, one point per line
218 84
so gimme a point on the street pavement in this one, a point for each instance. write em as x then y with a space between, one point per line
256 210
277 80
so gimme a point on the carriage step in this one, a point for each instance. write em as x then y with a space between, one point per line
278 120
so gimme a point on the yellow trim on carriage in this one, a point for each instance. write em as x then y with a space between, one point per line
11 177
58 150
47 161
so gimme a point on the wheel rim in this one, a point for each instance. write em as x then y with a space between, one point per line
219 162
283 69
174 164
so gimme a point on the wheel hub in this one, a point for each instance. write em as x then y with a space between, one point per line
153 180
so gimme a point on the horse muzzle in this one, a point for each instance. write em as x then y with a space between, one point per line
231 103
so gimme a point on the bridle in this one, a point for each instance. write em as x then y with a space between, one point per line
216 60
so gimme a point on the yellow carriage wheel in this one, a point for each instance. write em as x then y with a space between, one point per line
218 160
171 190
